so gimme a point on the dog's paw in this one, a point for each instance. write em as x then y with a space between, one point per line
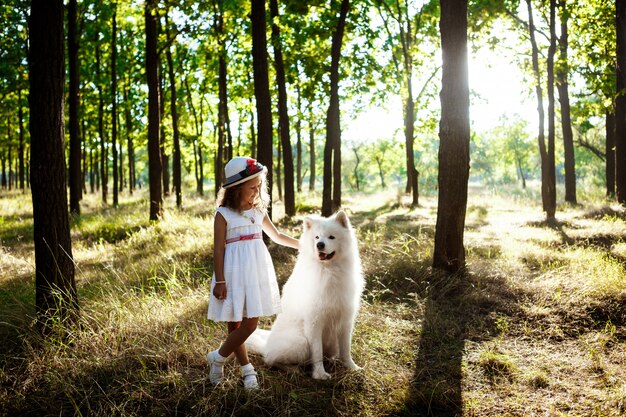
349 364
321 375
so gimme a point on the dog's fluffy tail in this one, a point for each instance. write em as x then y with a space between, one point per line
257 341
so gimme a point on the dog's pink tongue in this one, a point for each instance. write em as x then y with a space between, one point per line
321 255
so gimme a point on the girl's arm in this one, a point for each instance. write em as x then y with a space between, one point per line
219 245
278 237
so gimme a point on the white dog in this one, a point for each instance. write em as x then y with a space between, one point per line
320 300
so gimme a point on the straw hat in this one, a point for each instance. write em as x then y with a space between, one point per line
241 169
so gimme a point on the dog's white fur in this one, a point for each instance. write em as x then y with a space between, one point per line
320 300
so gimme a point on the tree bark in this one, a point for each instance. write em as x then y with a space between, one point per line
283 116
454 135
56 297
610 153
114 107
165 163
312 152
176 163
152 73
130 147
196 142
331 194
299 140
75 151
566 120
20 150
262 90
550 212
545 178
104 169
223 97
620 104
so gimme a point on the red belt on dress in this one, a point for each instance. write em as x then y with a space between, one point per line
245 237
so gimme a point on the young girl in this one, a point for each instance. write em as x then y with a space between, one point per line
244 285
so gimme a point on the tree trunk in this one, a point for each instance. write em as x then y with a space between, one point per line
299 140
20 150
114 107
56 297
130 147
197 144
152 73
4 172
550 212
83 139
545 178
610 153
312 127
409 134
331 194
176 163
283 116
92 171
356 169
262 90
279 182
620 104
454 136
223 96
566 120
165 163
104 169
75 151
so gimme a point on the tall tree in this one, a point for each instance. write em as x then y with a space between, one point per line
620 103
331 194
262 89
174 112
114 105
566 120
152 73
609 151
75 174
20 149
56 297
409 31
223 96
104 166
546 187
551 189
283 116
454 136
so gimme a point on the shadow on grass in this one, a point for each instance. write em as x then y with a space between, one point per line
458 308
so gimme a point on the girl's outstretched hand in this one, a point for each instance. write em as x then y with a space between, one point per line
220 291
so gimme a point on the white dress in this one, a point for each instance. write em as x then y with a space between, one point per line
252 290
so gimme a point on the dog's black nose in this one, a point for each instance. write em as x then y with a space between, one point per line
320 245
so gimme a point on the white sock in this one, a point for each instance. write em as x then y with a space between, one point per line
218 365
247 369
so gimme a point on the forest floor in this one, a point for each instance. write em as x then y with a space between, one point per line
536 325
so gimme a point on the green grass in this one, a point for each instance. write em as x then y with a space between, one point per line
536 325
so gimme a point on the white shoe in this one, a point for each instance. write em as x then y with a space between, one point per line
217 367
250 381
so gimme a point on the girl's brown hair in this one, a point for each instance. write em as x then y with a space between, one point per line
231 197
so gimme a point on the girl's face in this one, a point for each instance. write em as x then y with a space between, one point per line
250 191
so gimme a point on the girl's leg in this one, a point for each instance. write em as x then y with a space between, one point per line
237 337
240 353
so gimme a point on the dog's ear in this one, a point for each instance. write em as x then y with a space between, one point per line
342 218
308 223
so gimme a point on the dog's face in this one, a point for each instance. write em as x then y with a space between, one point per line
327 238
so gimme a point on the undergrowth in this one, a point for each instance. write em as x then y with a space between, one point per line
536 324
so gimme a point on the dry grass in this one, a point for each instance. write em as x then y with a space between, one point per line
535 326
